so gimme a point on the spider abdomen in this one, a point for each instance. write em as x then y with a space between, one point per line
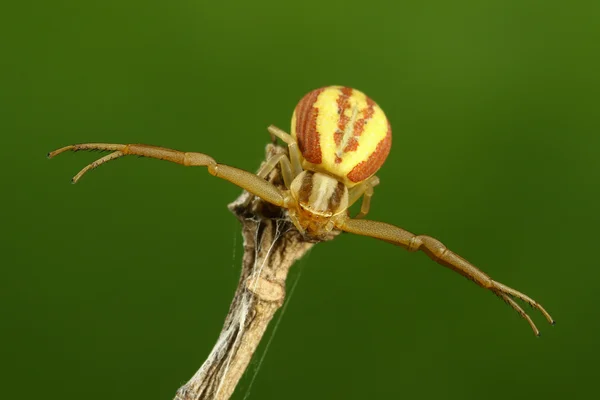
342 132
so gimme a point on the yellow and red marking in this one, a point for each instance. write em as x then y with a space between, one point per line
343 132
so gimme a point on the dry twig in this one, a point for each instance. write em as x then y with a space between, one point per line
271 246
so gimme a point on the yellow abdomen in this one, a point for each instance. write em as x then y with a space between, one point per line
342 132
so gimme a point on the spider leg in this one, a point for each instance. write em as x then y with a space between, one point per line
295 154
286 169
364 188
440 254
244 179
508 300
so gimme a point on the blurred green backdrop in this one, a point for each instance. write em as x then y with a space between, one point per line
116 288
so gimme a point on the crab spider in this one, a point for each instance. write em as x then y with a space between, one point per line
339 139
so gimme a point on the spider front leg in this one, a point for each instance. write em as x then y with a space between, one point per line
440 254
244 179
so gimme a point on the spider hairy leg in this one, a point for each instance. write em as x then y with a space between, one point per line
244 179
508 300
438 252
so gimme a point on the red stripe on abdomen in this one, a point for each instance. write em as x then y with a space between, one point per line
367 168
306 127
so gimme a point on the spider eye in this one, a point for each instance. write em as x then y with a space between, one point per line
343 132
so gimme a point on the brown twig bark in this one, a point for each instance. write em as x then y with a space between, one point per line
271 246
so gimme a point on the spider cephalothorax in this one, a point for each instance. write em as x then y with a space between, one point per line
318 201
340 138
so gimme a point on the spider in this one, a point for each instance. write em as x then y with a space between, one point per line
339 140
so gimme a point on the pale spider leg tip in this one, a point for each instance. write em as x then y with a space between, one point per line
536 331
545 313
532 303
507 298
77 177
56 152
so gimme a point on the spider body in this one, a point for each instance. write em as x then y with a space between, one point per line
339 139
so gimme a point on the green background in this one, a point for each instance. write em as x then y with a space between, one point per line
116 288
